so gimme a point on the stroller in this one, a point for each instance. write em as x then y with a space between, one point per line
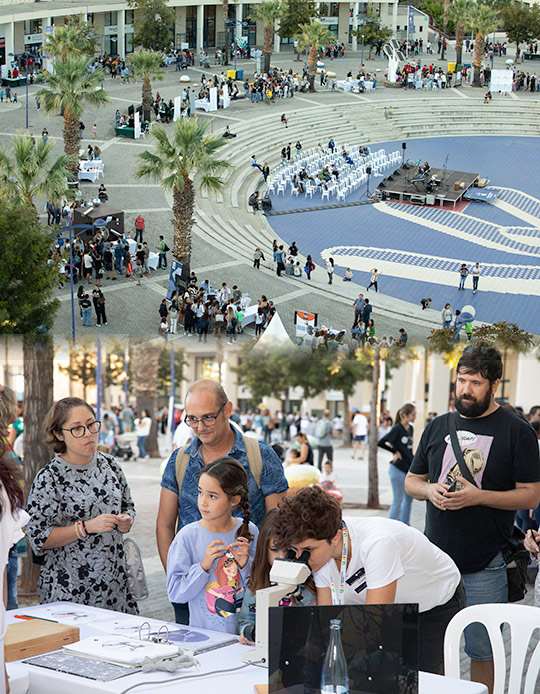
122 450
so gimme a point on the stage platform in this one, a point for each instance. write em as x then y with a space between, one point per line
400 186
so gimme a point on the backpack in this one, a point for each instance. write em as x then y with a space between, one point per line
312 267
253 455
166 248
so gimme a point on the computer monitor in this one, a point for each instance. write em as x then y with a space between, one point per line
380 645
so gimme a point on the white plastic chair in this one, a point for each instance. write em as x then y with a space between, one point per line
325 194
522 620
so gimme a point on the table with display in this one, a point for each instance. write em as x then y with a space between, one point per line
125 131
14 81
347 85
225 664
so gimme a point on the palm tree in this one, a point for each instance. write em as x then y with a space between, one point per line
147 64
70 39
174 163
268 12
68 88
459 12
31 172
145 358
225 4
483 19
311 37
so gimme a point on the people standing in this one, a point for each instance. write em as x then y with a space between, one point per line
475 272
143 425
99 307
85 306
139 228
463 272
472 522
358 309
309 267
399 441
162 249
329 265
359 433
374 279
446 315
323 432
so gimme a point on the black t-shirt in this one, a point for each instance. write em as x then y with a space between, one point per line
401 440
500 450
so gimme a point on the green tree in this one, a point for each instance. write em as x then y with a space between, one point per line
267 372
268 12
164 372
147 64
82 367
27 282
175 163
312 37
76 38
459 12
153 21
295 13
374 30
521 23
435 10
68 88
483 19
31 172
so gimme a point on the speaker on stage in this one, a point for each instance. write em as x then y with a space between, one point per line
403 145
368 170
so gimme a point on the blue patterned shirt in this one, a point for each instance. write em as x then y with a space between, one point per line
272 479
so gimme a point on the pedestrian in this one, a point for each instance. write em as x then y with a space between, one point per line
162 249
374 279
284 120
85 306
475 272
288 150
138 271
399 441
348 275
463 272
265 171
99 306
258 255
468 329
366 314
38 101
309 267
143 426
94 131
280 261
474 468
329 265
81 130
323 432
359 433
259 322
446 315
298 148
424 303
139 228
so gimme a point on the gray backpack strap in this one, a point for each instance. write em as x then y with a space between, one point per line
254 458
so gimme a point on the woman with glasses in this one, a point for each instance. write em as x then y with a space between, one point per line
80 506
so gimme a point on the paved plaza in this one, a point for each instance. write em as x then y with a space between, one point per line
226 232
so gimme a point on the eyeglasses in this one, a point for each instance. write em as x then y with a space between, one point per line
80 430
209 420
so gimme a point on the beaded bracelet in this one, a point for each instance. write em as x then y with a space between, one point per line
80 530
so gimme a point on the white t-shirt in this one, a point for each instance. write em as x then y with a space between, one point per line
143 426
389 550
359 423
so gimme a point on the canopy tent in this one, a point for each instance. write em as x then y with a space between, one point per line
275 335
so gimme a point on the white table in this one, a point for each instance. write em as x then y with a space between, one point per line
242 681
249 315
89 175
153 260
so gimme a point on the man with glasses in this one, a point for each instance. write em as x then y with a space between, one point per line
473 522
207 412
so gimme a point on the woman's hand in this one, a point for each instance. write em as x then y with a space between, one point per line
397 456
240 551
124 522
214 551
105 523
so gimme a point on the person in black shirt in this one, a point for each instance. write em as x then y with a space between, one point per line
306 451
474 523
399 441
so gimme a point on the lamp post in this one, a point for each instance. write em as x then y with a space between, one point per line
363 19
235 23
19 55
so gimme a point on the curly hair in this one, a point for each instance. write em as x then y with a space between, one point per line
233 480
310 514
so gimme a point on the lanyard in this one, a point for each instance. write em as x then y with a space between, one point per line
337 599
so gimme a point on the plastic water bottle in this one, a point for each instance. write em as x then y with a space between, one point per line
335 676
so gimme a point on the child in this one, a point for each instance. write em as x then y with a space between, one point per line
294 453
94 131
327 475
297 270
348 275
259 322
239 318
209 561
138 271
265 554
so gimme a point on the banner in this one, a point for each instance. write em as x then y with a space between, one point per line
176 272
305 327
411 20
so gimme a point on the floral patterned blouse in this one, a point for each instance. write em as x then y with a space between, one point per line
92 570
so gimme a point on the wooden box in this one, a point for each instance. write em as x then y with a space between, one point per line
36 636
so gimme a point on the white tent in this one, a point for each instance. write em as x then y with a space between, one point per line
275 335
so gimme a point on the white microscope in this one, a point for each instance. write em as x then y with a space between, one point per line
287 574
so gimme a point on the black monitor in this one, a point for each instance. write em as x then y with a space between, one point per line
380 645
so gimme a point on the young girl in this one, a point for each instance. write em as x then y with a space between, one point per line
265 554
209 561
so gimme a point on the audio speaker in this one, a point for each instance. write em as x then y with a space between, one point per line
390 178
397 172
403 145
368 170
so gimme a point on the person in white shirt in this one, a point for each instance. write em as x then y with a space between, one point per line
143 424
373 561
475 272
359 432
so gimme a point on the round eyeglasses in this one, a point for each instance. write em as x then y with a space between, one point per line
209 420
80 430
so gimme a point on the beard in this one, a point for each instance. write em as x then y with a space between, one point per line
471 407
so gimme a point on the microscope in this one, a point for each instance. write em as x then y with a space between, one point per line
287 574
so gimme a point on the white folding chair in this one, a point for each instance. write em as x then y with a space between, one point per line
325 194
523 620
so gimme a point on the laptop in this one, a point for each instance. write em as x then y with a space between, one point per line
380 645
